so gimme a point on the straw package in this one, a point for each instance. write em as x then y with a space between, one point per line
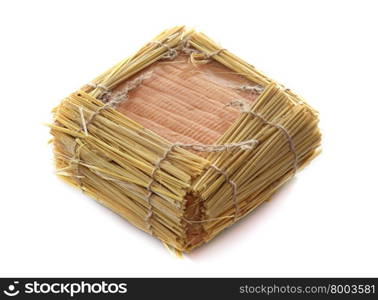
182 138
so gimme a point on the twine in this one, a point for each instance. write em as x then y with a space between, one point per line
245 145
245 108
234 190
106 92
254 89
287 136
185 47
211 54
197 57
234 200
76 160
100 86
149 187
120 96
171 52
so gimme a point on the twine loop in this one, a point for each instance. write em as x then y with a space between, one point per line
119 96
195 56
245 108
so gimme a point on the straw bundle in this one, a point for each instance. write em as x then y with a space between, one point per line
182 158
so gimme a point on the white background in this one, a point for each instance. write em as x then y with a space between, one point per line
323 223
